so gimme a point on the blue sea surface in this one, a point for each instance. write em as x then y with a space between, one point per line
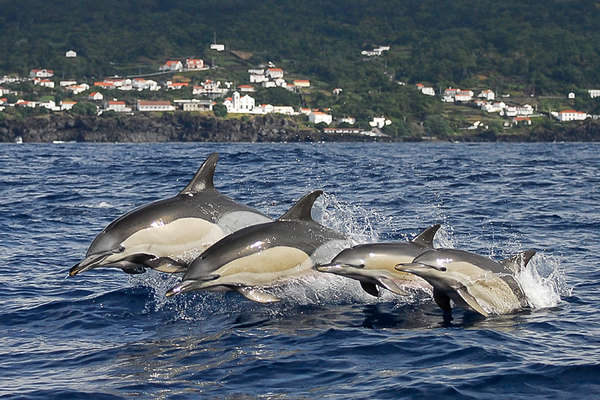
104 334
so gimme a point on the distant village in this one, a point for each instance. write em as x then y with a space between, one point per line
237 99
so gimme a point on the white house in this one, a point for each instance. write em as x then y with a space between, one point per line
256 71
487 94
301 83
379 122
144 84
117 106
217 47
428 90
41 73
594 93
317 117
463 95
176 85
96 96
44 82
50 105
195 105
67 105
521 121
71 54
525 110
571 115
246 88
509 111
67 83
255 78
208 88
287 110
275 73
154 105
348 120
269 84
194 64
76 89
172 65
493 107
337 91
571 95
239 104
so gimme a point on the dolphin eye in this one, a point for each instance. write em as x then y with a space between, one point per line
443 269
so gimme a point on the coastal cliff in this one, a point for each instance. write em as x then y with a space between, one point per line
168 127
186 127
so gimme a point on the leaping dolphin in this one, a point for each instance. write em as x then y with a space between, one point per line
264 255
373 264
164 235
472 281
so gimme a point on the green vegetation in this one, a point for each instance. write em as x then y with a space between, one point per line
220 110
545 48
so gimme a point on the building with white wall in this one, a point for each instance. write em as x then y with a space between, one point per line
317 117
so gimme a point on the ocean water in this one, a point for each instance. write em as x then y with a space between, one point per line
104 334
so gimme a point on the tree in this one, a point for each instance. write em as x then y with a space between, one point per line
435 125
220 110
84 108
11 98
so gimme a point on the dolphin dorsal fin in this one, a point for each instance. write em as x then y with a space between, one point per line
204 176
518 261
301 210
425 238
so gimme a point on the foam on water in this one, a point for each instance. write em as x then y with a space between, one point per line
543 281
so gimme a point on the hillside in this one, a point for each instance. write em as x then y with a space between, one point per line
538 46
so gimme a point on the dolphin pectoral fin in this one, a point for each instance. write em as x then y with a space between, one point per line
257 295
167 264
392 286
471 301
443 301
134 270
370 288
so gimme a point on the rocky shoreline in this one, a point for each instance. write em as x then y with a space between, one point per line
186 127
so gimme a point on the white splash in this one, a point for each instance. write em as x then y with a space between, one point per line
355 221
543 281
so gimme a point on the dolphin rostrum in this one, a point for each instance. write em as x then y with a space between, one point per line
373 264
264 255
472 281
166 235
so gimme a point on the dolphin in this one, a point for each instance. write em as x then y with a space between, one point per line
163 235
373 264
264 255
471 281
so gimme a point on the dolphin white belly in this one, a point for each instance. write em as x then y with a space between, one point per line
263 268
171 240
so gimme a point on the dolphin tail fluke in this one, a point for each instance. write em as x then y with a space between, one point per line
302 209
257 295
204 176
425 238
517 262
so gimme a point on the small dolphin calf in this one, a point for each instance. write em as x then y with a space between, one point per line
470 280
373 264
264 255
162 234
